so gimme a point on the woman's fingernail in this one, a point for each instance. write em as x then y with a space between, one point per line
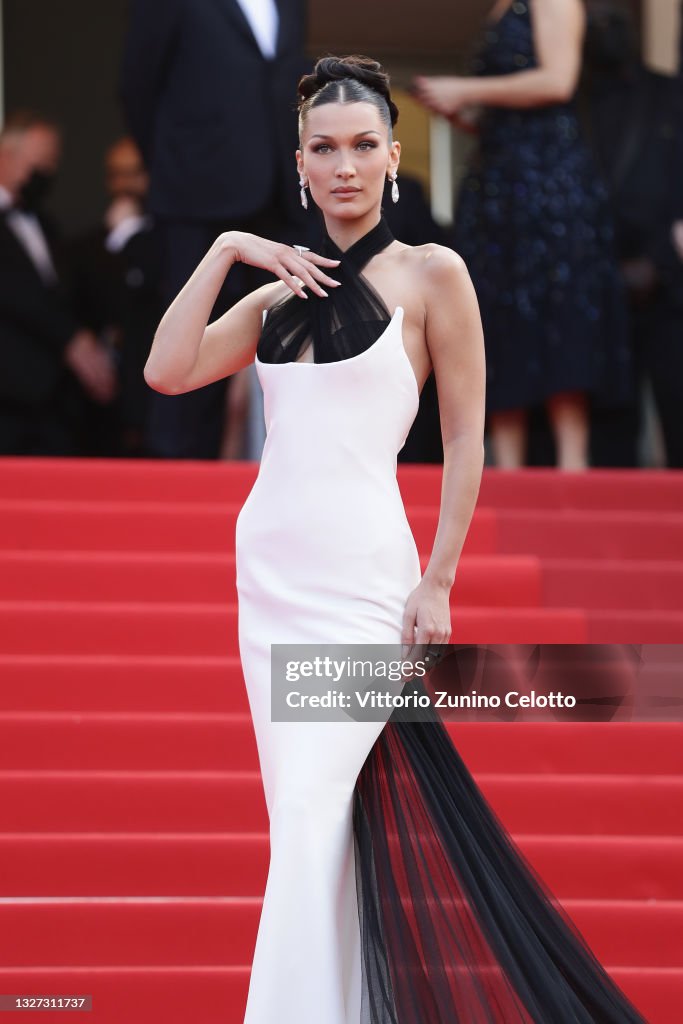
323 292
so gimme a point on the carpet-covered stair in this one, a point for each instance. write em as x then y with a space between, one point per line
133 843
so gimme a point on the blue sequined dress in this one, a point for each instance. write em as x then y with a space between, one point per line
534 227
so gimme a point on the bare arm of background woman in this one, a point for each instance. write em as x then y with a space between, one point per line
558 27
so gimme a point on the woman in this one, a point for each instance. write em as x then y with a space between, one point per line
533 226
325 556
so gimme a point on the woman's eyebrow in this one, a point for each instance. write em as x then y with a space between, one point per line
370 131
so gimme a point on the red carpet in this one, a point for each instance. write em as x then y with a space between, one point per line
127 760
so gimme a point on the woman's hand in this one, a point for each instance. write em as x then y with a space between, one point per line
296 269
447 95
427 616
467 120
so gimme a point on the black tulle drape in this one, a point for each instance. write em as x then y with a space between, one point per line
456 926
340 326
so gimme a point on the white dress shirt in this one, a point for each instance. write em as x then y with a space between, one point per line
119 236
29 232
263 18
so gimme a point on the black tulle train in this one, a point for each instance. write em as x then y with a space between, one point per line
456 925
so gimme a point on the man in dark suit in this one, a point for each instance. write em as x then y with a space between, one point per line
116 271
47 361
634 118
209 92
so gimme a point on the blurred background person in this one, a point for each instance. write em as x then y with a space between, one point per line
634 118
116 283
215 163
534 228
666 362
49 364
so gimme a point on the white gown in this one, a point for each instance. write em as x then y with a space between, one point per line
324 554
395 895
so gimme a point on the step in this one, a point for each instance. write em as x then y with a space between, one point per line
210 864
107 580
127 525
160 480
159 684
634 585
170 576
125 683
223 741
214 995
198 480
644 627
221 931
175 628
181 526
177 801
590 534
598 489
131 683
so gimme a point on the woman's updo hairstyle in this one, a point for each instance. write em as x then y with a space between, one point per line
353 79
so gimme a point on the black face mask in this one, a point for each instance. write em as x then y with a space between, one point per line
36 188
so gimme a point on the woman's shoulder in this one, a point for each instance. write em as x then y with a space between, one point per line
434 264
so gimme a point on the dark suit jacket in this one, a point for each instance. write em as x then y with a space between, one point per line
636 127
214 119
122 290
35 324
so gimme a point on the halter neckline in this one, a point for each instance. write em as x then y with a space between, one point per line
364 248
343 324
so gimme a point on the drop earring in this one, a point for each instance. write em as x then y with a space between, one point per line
394 188
304 197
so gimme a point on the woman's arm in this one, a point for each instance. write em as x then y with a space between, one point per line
186 354
456 346
558 27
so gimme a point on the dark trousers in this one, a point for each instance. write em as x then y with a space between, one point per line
658 351
658 347
664 358
190 426
50 428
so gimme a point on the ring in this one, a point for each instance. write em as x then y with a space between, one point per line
301 249
433 653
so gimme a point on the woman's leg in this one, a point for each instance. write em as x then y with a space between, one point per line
508 430
569 417
307 960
